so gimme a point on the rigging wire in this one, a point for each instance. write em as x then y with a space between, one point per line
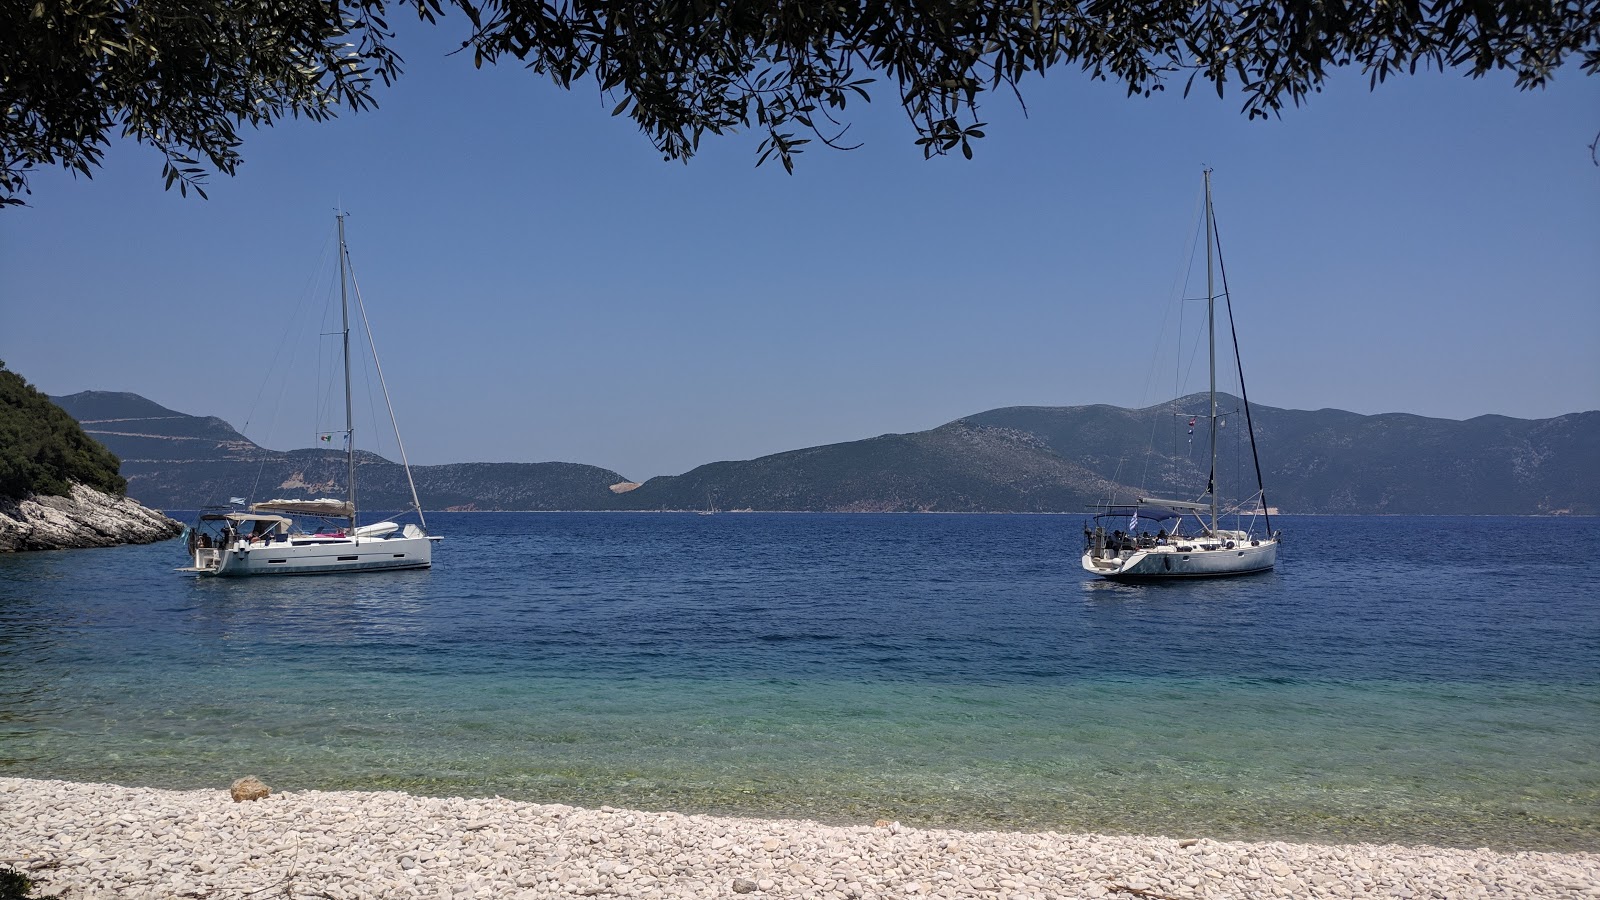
1179 287
1183 363
1244 396
379 443
372 344
306 292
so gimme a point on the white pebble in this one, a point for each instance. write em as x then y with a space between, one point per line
82 841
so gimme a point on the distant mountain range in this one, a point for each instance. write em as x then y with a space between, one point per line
177 461
1019 459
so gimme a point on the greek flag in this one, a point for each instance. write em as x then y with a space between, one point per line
236 501
1133 523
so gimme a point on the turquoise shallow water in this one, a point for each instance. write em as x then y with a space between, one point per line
1395 679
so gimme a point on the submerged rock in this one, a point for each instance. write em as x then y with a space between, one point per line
87 518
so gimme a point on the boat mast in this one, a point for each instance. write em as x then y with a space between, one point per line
349 418
1211 325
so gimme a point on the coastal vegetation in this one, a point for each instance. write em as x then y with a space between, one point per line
185 78
43 450
14 885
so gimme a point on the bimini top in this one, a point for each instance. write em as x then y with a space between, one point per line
282 523
326 507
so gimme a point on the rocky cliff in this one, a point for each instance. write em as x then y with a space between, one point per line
84 518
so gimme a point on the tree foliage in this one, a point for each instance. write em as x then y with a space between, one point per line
184 75
14 885
43 450
179 75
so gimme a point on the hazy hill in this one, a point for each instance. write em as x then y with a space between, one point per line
959 467
1027 459
144 430
173 460
1063 458
1332 461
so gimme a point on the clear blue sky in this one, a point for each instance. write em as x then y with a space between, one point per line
544 287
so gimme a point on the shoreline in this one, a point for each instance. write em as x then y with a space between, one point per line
98 840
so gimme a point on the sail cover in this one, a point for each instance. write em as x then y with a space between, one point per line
326 506
1171 504
1153 513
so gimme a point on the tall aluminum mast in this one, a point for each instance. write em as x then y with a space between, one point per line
349 417
1211 324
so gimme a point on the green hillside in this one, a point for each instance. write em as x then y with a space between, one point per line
43 449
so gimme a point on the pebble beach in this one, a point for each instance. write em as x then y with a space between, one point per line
79 841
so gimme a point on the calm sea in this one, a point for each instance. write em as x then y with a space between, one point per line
1417 680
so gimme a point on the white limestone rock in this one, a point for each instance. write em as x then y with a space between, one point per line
87 518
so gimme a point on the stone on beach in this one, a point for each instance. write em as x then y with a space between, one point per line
248 788
82 841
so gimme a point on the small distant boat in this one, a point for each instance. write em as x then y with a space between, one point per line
1116 548
267 539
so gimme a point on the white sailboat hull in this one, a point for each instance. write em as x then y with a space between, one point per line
1182 561
1213 551
313 555
264 541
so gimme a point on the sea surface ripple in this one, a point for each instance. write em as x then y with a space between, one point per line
1417 680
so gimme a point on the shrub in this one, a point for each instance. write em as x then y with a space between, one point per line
43 449
15 886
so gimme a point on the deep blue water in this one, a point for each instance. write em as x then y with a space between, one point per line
1410 679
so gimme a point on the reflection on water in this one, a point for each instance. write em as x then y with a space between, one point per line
955 670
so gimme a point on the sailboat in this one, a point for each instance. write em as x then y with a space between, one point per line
267 538
1114 545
